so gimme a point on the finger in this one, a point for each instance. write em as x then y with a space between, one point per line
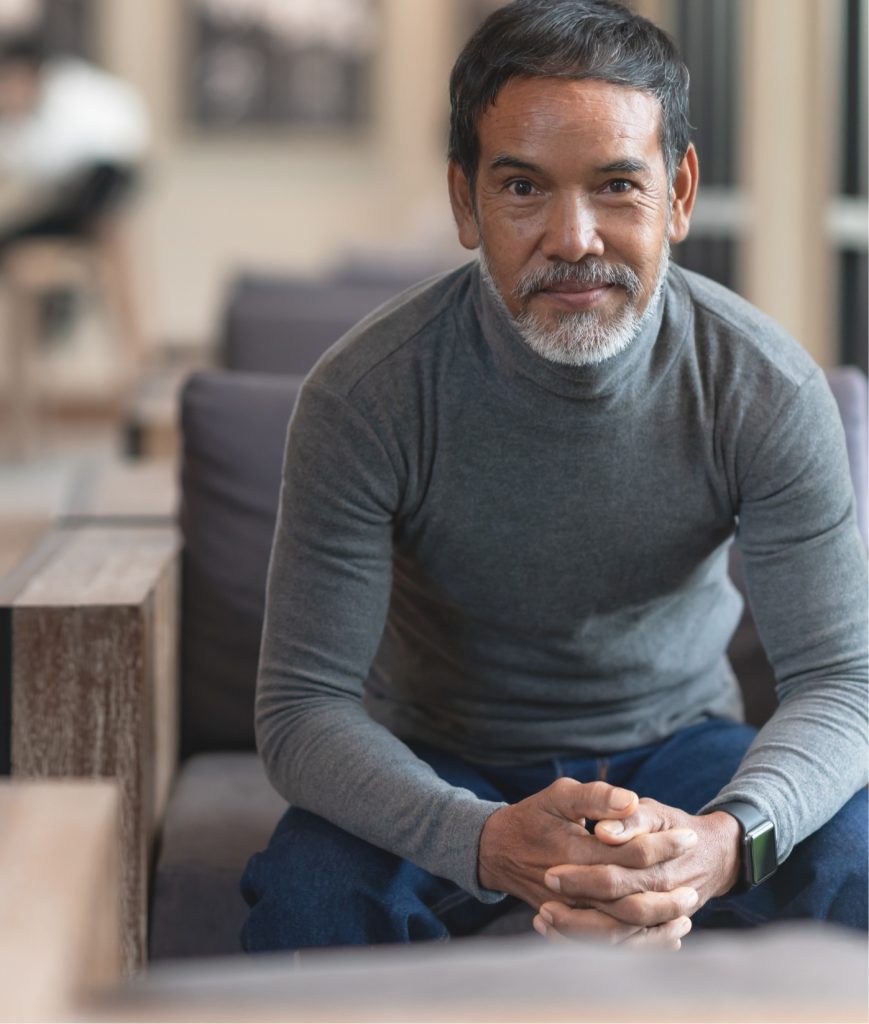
549 933
664 936
596 800
648 909
643 851
649 816
558 921
604 882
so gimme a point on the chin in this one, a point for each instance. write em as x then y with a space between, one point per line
572 343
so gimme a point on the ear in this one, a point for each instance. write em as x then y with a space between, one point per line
683 194
463 207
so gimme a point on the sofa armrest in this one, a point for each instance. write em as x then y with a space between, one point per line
91 624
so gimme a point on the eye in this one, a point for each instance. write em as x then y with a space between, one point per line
521 187
619 186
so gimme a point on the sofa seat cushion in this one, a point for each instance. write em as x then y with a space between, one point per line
222 810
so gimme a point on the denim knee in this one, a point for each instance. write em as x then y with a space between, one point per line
316 885
830 867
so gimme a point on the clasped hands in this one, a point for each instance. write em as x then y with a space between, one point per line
637 879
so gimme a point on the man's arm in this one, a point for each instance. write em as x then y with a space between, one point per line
806 572
327 599
805 566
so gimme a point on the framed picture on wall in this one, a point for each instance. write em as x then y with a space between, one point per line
278 64
64 26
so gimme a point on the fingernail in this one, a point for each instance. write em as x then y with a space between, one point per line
553 882
539 926
620 799
613 828
692 898
685 927
547 917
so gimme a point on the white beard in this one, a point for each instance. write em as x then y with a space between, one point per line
582 338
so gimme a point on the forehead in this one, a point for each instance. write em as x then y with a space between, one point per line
534 113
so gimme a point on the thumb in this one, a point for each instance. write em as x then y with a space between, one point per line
596 800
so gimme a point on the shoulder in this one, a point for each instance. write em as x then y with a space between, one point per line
411 328
736 338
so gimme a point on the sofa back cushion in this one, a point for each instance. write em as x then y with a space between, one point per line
283 325
234 428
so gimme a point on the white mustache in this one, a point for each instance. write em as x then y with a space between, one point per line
587 272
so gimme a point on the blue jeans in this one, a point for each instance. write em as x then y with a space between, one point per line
316 885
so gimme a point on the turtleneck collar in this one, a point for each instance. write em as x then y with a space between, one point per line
614 381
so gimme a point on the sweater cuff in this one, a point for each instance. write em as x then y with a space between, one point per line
463 847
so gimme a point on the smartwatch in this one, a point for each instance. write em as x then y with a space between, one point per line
758 853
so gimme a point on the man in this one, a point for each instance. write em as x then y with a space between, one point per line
498 604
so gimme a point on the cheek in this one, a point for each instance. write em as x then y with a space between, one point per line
511 244
639 245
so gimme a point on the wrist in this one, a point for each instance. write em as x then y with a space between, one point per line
491 842
729 851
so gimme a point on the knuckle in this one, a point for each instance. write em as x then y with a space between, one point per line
609 881
563 787
660 877
643 853
642 911
597 790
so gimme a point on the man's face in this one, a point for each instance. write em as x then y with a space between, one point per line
572 211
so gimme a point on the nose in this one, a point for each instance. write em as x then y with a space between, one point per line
571 230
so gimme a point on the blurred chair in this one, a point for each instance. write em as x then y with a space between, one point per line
34 268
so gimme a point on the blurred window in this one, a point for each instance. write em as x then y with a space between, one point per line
850 210
272 64
707 35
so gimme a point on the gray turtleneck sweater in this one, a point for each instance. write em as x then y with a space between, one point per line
510 559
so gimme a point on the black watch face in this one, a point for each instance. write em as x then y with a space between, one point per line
763 854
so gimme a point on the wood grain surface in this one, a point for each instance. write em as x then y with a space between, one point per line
94 684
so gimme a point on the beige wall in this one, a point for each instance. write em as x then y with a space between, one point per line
292 202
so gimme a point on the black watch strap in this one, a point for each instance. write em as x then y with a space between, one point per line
758 849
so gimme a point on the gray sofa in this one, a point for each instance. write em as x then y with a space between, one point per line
222 809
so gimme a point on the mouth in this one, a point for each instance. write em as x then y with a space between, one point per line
575 297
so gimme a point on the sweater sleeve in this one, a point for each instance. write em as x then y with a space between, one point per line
327 599
806 573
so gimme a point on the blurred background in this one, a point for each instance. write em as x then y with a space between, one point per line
295 141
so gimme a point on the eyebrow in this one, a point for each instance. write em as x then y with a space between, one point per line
505 160
626 167
622 166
